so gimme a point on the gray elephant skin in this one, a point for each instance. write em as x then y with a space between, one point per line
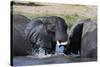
20 46
45 31
40 32
83 39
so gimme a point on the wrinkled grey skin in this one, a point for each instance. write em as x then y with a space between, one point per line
83 38
45 31
89 40
20 46
42 32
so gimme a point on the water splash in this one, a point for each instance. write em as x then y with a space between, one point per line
40 53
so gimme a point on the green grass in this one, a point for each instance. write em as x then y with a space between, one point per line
71 19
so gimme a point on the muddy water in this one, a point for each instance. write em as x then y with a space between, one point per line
30 60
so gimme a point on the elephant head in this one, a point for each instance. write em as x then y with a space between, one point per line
45 31
56 27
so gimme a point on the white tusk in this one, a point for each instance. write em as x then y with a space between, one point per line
64 43
58 43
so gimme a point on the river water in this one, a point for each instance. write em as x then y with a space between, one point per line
58 59
40 58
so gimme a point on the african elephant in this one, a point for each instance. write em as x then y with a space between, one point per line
20 47
83 39
41 32
45 31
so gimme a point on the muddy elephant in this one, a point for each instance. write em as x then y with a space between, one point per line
28 36
83 39
45 31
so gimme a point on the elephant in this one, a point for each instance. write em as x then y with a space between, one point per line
89 40
29 35
45 31
19 46
83 39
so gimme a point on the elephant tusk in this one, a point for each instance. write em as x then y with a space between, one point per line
58 43
64 43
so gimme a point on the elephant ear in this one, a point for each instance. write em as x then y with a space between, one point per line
37 33
31 26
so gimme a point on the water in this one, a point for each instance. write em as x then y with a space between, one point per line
40 53
29 60
59 50
40 58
